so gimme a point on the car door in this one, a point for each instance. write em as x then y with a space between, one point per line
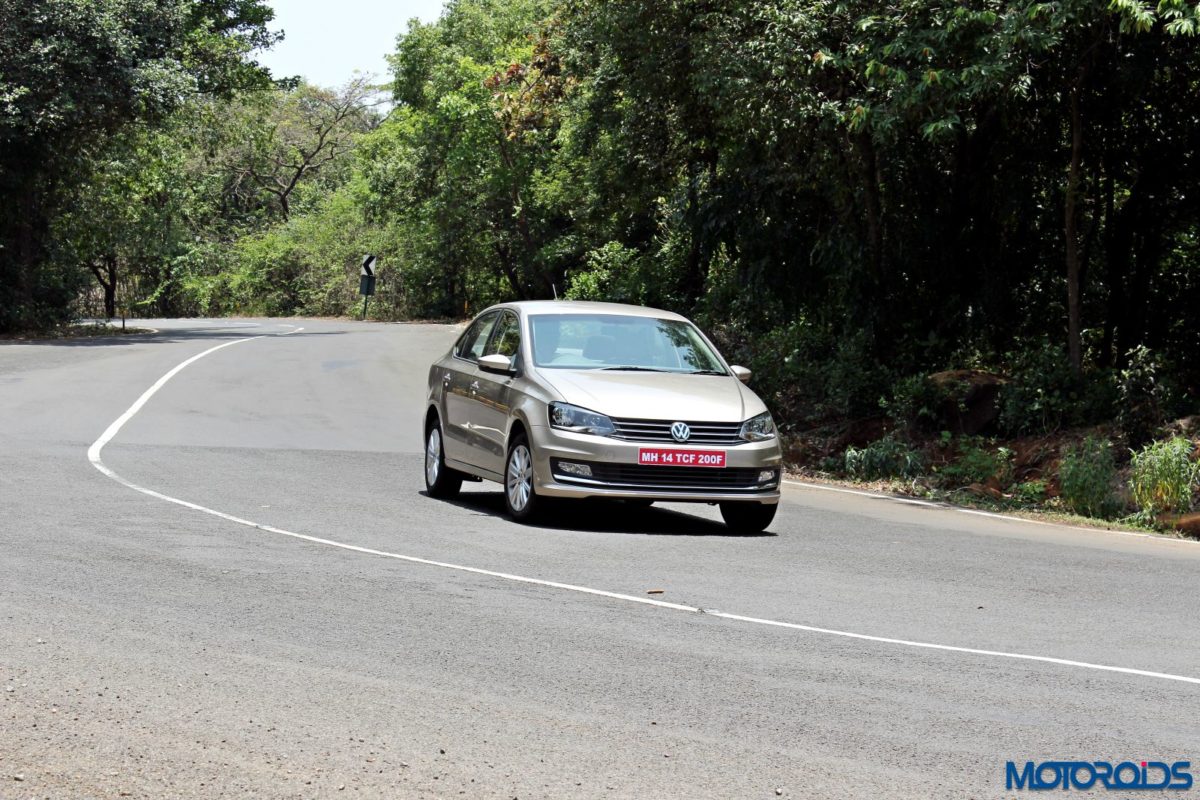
460 382
492 398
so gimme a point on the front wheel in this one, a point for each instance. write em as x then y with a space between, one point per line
520 498
440 480
748 517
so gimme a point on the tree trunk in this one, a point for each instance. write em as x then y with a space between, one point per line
504 255
107 278
110 301
1070 230
867 205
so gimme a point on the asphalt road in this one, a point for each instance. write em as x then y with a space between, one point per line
152 650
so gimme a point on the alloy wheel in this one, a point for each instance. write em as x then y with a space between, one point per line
519 480
433 456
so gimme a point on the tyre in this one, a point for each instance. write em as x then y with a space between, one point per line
440 480
520 497
748 517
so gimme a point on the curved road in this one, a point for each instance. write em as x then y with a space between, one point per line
153 650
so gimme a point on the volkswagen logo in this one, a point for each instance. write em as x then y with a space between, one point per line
680 432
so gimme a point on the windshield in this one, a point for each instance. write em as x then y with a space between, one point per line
616 342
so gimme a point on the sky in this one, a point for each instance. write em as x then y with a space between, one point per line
325 42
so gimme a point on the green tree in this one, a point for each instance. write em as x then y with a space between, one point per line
460 161
127 221
294 134
73 74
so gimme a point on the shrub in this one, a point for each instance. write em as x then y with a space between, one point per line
831 464
978 463
1043 392
1164 477
916 402
1142 395
1086 477
805 371
611 275
1030 493
1044 395
884 458
852 378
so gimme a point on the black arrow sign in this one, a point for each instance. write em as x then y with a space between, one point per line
368 266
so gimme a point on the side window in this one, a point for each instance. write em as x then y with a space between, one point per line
471 345
506 341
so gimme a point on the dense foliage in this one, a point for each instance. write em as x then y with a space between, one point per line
849 195
75 77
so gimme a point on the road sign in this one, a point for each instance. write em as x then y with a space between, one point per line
366 280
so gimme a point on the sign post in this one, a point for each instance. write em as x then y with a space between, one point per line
366 281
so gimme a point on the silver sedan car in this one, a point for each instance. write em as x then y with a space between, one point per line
559 399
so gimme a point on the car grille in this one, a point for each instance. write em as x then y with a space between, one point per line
653 430
683 479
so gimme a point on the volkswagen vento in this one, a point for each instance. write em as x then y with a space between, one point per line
562 399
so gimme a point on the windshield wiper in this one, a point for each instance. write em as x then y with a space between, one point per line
633 369
706 372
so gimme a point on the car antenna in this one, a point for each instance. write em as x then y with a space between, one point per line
554 289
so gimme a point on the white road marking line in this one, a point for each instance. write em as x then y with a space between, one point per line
975 512
94 453
106 437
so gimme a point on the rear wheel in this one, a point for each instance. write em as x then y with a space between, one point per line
520 498
747 517
440 480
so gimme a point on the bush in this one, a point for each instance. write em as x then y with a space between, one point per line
852 377
1030 493
1043 393
1086 478
885 458
1164 477
611 275
916 402
806 372
1142 396
310 265
977 463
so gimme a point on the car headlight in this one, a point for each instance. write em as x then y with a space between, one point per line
758 429
579 420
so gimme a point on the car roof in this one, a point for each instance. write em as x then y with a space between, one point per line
588 307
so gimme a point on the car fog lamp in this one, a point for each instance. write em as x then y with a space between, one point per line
578 470
766 476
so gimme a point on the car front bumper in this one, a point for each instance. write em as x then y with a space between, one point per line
617 474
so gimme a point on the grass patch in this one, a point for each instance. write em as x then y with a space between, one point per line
87 330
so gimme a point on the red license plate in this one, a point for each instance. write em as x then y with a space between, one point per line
656 457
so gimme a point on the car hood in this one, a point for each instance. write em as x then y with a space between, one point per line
656 395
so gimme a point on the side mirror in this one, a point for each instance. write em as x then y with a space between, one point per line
497 363
741 373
